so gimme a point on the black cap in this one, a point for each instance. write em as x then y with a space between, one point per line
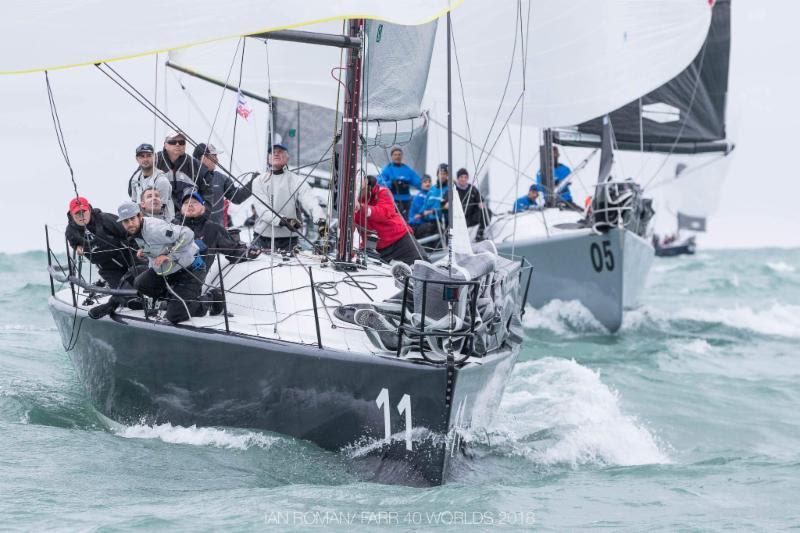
443 166
462 171
145 148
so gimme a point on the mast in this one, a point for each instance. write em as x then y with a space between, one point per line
546 167
450 174
346 184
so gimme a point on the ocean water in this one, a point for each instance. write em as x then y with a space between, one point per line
687 419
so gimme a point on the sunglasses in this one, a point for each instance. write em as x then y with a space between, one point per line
178 142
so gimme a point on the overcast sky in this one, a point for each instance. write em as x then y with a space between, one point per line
102 125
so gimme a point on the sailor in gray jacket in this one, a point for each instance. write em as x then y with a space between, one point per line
176 270
285 192
147 176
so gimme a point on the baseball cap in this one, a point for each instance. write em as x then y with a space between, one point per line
206 149
172 134
79 204
144 148
127 210
187 193
280 146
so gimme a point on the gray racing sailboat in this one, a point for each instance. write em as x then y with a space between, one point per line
385 363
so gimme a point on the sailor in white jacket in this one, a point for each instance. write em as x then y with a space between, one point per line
286 193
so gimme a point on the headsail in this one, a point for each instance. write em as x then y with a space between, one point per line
111 31
685 115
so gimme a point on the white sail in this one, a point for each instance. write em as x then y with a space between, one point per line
67 34
584 57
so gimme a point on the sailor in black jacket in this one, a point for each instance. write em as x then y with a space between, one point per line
215 238
102 240
98 237
182 170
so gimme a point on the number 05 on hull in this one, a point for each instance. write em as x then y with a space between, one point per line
605 272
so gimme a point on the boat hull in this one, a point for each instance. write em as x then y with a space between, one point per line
136 370
605 272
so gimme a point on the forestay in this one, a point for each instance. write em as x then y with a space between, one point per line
44 34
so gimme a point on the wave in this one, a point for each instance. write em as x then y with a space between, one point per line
562 317
556 411
197 436
778 319
780 267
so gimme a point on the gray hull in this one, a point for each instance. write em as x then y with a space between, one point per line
134 370
606 272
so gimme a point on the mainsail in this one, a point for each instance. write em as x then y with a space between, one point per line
685 115
581 58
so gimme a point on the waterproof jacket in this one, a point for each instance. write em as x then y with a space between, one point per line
157 237
399 179
417 207
560 173
380 215
216 239
222 187
470 202
185 172
436 197
524 203
104 241
138 183
286 193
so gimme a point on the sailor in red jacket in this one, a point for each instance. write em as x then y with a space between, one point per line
376 211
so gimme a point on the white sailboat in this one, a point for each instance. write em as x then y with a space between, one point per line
558 64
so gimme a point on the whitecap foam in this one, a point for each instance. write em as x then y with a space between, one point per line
562 317
779 319
556 411
197 436
781 267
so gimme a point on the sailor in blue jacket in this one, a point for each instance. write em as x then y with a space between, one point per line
399 178
560 173
529 201
437 196
421 221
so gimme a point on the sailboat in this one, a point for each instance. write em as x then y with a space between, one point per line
683 122
388 365
558 65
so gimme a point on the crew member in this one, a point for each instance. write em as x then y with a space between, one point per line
421 221
529 201
214 239
475 212
560 173
175 270
285 193
147 176
151 205
437 197
98 237
399 178
221 186
375 211
181 169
